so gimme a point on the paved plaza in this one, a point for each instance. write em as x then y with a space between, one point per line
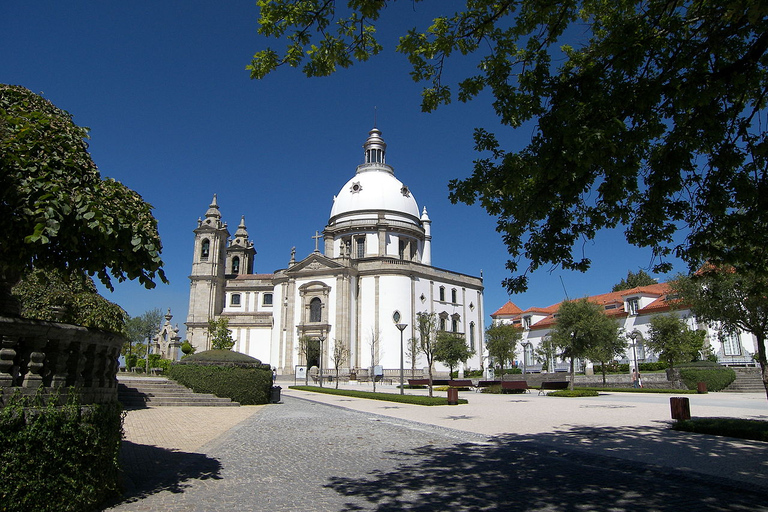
499 452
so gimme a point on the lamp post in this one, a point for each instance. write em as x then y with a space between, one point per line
401 327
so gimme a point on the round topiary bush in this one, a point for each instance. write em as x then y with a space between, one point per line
227 374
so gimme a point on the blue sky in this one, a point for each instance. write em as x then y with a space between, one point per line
174 115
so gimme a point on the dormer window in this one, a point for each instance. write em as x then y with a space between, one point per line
526 322
632 306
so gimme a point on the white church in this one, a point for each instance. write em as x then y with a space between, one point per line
372 260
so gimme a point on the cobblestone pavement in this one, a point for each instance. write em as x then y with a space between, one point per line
307 456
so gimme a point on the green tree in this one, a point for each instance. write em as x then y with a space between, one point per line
220 335
633 280
59 214
451 349
427 325
187 348
671 338
67 297
501 341
735 301
582 328
608 344
648 115
140 330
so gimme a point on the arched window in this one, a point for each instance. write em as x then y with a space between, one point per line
442 293
315 310
205 249
236 265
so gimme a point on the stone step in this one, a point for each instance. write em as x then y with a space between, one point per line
748 380
158 391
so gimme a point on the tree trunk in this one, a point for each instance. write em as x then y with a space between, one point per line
9 305
761 358
430 380
573 373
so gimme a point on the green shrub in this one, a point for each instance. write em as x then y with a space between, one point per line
615 367
58 458
716 377
574 393
225 374
131 361
155 361
732 427
496 389
389 397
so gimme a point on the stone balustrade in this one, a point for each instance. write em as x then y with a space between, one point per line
57 357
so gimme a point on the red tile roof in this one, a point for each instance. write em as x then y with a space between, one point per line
507 309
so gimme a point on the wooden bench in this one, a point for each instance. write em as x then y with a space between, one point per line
418 382
441 382
515 384
461 383
552 385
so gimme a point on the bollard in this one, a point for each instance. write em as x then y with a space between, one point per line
701 388
453 396
681 409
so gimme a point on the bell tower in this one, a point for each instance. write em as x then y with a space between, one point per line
240 252
206 293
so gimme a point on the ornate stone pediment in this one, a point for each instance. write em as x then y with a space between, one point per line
315 262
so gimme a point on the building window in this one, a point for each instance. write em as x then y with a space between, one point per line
234 300
360 247
267 300
454 324
235 265
472 336
205 250
731 345
632 306
453 296
442 293
443 321
315 310
526 322
401 249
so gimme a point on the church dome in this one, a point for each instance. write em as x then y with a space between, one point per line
374 188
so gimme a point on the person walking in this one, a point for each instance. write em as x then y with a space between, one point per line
635 378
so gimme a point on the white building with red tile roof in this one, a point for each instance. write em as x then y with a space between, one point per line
633 309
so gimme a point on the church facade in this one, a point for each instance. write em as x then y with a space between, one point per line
372 260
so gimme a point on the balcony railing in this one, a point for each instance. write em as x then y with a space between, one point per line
56 357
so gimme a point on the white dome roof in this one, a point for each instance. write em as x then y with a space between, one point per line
374 187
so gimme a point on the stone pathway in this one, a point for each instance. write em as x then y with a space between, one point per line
308 456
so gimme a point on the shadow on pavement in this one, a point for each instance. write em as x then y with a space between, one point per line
149 470
545 472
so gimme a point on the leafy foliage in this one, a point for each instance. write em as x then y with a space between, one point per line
427 327
451 350
141 329
583 330
58 296
731 427
716 377
671 338
246 385
501 340
58 212
733 300
58 458
633 280
647 114
220 334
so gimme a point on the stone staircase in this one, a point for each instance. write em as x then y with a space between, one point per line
138 392
748 380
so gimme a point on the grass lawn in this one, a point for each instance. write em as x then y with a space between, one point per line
388 397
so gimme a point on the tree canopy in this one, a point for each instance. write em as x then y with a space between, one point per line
633 280
451 349
648 115
732 301
583 330
141 329
671 338
220 334
58 213
501 341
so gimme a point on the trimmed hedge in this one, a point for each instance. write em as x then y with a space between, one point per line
388 397
625 368
58 458
225 374
716 377
732 427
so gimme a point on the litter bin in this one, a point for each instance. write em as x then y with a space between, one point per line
701 387
681 409
453 396
274 397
